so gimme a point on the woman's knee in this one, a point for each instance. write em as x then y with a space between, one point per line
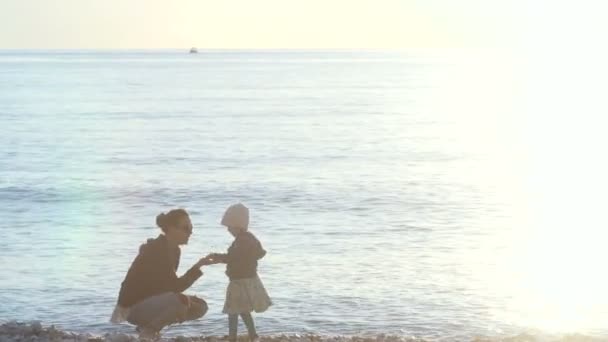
198 308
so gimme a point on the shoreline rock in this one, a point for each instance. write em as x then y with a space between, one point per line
14 331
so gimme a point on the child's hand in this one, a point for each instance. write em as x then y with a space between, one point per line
212 255
204 262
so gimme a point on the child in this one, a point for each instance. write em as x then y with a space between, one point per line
245 293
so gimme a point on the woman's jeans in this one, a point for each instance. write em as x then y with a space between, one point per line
154 313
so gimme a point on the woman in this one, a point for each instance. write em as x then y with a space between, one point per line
151 294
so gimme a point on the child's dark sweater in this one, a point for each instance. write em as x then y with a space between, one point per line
242 257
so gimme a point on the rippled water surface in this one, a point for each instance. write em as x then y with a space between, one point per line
389 188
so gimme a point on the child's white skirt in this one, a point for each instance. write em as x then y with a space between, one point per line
246 295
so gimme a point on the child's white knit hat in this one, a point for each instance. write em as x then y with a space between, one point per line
236 216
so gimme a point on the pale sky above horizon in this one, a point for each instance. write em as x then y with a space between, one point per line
67 24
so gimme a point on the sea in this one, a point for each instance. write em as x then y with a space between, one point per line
398 192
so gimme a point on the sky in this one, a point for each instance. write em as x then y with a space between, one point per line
283 24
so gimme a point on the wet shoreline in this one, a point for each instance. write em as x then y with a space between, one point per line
15 331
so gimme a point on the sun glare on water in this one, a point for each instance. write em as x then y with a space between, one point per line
538 121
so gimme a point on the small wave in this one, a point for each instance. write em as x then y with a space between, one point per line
35 332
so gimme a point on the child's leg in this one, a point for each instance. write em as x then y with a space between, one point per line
233 322
248 319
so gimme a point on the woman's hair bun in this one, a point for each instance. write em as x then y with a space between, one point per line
170 219
161 220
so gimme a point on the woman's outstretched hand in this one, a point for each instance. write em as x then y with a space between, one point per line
204 262
216 258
